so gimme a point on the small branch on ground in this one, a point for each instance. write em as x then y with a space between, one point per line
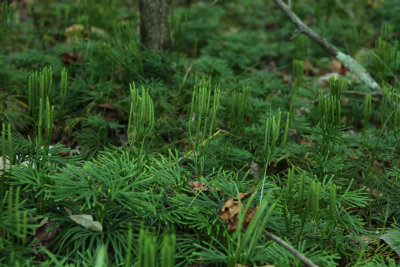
291 249
347 60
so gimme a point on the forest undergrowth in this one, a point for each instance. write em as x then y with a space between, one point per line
242 132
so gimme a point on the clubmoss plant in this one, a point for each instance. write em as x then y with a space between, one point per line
297 79
271 146
203 113
141 116
6 18
239 107
385 56
129 47
301 47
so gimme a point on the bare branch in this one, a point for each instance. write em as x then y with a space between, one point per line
291 249
347 60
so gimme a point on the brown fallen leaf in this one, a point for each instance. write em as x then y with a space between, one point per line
231 208
111 113
46 232
198 186
310 69
249 216
69 58
305 142
338 67
201 187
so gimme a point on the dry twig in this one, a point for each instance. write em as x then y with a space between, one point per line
291 249
347 60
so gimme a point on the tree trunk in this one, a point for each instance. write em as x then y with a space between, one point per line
154 25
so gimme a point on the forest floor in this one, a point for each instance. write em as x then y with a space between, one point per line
242 134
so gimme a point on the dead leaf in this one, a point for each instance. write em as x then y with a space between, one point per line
200 186
305 142
74 32
392 238
338 67
111 113
354 157
230 211
46 232
69 58
107 106
86 221
309 68
249 216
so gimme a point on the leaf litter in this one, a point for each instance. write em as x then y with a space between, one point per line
231 209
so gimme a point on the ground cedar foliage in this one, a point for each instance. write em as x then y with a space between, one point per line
116 155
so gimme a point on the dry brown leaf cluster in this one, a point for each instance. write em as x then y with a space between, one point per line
199 186
231 209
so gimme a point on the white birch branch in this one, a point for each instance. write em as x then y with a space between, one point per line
291 249
356 68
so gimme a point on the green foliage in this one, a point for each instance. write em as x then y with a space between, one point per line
203 114
239 108
141 115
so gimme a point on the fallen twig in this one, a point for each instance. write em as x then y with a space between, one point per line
291 249
347 60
